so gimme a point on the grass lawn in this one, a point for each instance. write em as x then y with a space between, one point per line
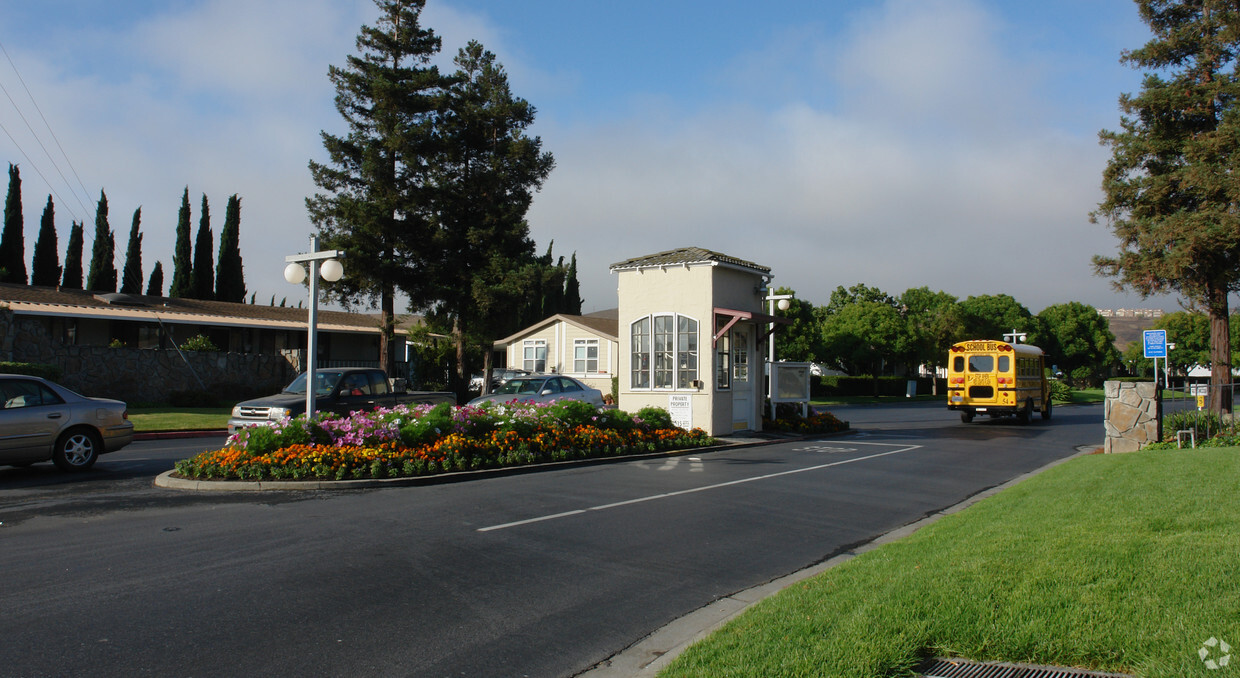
167 418
1123 563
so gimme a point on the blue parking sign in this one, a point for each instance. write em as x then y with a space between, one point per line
1155 343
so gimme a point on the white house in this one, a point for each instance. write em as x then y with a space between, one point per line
581 346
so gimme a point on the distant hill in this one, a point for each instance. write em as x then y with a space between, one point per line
1127 324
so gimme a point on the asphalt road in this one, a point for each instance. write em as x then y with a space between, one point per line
543 574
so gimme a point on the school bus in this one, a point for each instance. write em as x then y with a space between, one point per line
998 379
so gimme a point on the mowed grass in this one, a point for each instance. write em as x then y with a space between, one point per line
166 418
1124 563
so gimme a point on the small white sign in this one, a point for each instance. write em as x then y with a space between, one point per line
680 407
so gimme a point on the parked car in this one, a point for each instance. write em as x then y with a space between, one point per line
340 390
542 388
499 375
42 420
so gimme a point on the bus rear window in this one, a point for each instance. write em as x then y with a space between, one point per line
981 363
958 364
1005 364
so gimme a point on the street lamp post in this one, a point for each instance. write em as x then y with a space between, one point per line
784 302
323 264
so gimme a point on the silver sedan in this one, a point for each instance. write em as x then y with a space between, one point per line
542 388
42 420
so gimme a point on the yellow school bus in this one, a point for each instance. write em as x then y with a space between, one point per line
996 378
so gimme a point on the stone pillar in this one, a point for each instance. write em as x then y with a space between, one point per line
1132 415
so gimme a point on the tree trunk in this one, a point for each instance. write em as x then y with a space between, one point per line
487 362
1220 351
387 332
458 341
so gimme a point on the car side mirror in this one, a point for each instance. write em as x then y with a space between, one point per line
546 391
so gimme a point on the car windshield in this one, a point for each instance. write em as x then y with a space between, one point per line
520 386
324 382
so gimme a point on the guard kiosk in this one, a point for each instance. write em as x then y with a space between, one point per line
691 327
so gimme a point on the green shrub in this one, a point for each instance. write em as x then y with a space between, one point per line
1060 392
429 427
49 372
199 343
654 417
1205 425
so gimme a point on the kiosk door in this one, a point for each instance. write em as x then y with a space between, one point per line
742 381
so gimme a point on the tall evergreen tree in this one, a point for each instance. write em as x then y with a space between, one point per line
572 289
486 175
372 203
73 258
183 255
131 278
101 276
13 239
203 279
1170 187
45 269
229 281
155 285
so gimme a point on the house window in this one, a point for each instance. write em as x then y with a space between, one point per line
535 356
641 353
723 361
664 352
585 356
740 359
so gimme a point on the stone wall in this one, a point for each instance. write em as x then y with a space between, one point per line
1132 415
144 375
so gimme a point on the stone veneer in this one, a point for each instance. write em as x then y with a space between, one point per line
1131 415
144 375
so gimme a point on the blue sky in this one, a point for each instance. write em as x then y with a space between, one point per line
896 143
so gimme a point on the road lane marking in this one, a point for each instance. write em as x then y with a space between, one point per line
666 495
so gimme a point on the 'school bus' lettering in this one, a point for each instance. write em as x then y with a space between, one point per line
997 378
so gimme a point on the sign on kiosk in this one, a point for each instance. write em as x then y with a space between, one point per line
1155 343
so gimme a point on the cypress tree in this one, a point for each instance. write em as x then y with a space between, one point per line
229 281
183 256
46 266
102 274
155 288
73 259
12 241
131 279
572 289
203 279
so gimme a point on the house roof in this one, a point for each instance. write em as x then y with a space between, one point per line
605 327
687 256
55 301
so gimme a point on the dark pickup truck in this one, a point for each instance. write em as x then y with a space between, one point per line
341 390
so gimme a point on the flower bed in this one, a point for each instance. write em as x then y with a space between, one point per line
423 440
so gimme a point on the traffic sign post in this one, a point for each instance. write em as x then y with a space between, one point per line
1155 346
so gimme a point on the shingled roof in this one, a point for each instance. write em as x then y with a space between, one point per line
686 256
35 300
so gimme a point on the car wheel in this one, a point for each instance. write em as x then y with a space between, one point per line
76 450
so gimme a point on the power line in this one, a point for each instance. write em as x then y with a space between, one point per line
36 169
46 124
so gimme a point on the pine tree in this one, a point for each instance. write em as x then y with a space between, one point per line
45 269
203 279
485 177
102 274
373 203
229 281
183 255
13 239
155 286
1169 186
73 258
131 279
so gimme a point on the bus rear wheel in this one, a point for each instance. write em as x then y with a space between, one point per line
966 417
1046 409
1024 414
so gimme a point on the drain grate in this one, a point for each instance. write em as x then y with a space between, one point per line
965 668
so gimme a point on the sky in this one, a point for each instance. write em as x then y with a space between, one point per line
951 144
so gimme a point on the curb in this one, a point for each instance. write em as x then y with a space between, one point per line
650 655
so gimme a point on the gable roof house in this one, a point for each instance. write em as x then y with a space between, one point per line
581 346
